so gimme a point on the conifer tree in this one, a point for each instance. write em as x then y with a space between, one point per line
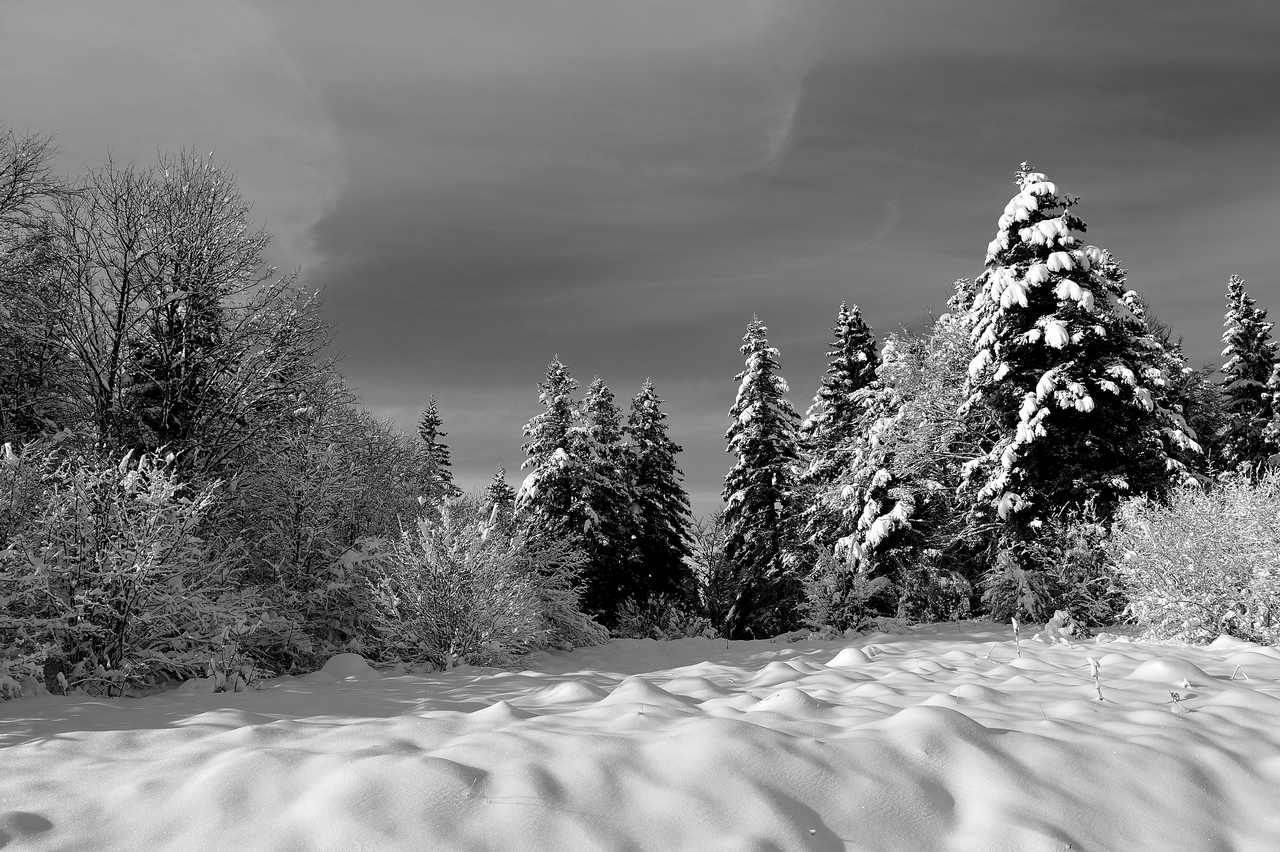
546 503
834 417
757 493
1067 363
439 478
575 489
607 499
1251 360
830 430
660 509
500 501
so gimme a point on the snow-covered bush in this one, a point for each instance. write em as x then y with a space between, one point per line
839 597
1208 563
455 590
1064 568
660 617
105 583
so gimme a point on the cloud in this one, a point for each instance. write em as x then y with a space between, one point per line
133 77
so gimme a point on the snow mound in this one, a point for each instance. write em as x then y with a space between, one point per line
943 738
349 665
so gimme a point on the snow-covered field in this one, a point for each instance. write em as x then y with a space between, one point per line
942 739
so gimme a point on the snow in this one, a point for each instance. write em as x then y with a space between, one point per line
946 737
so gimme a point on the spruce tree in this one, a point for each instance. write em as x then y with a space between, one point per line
547 504
660 509
500 501
834 417
1066 362
575 489
830 431
1250 355
607 500
436 463
757 493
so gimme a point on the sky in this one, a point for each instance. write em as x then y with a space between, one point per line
480 187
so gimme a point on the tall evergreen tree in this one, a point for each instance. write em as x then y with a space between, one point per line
574 489
834 417
1067 363
607 499
757 493
500 500
660 509
436 453
829 433
1251 358
546 501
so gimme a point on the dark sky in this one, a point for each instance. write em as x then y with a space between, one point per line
479 186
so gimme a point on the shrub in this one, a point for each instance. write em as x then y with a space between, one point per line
1205 564
104 585
1064 568
839 597
455 590
660 617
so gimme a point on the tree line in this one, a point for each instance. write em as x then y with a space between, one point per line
189 488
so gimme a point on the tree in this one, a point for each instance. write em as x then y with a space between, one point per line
500 501
1065 360
546 498
33 374
908 545
439 479
831 428
757 493
150 261
1251 358
608 502
660 511
836 413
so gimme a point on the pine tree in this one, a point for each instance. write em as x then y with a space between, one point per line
757 493
607 499
438 476
546 500
661 507
500 501
834 417
1251 360
830 431
1067 363
576 488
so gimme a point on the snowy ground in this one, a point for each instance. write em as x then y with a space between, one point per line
942 739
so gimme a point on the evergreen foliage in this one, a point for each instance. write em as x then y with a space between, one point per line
500 501
1067 363
758 494
1251 361
438 479
660 512
830 432
608 500
574 490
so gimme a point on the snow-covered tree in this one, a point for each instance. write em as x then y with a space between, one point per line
1251 359
607 498
500 501
439 477
576 486
546 501
837 412
901 521
661 507
830 431
1065 358
757 492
